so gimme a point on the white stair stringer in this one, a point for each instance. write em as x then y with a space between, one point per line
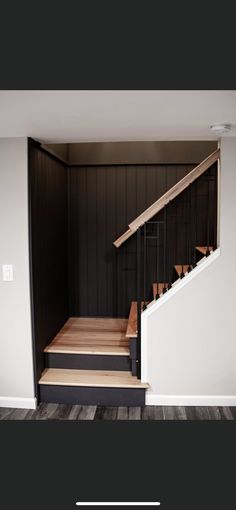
154 305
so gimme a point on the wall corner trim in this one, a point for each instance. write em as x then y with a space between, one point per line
190 400
18 402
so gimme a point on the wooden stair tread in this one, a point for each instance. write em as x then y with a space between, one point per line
113 338
203 249
96 324
86 348
90 378
158 288
91 336
183 267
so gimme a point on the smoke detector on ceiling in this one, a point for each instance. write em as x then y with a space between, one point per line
219 129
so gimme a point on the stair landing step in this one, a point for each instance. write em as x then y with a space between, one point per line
93 336
90 378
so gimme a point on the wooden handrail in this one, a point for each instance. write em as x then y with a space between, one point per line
168 196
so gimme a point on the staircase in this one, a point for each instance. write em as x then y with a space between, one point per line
97 361
172 236
89 362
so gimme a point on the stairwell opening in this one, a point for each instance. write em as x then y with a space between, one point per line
82 197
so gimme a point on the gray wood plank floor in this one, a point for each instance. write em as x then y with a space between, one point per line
98 413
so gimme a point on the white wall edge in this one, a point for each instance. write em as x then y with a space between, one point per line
180 283
18 403
155 305
219 196
190 400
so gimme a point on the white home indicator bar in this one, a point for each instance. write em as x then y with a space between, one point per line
119 503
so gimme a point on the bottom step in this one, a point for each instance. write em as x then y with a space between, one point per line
93 387
130 397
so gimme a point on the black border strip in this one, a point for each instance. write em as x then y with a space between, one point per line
29 143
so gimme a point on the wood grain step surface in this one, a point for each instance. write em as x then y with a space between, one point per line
112 338
203 249
99 336
131 331
86 348
132 328
180 268
96 324
157 288
90 378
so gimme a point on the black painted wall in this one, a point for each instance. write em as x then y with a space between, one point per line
102 202
49 261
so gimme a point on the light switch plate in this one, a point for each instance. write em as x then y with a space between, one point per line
7 272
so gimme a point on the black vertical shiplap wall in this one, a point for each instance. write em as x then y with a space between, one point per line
76 213
103 200
48 246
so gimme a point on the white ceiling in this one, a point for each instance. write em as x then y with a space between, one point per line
91 116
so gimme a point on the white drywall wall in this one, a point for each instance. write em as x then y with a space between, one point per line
16 363
190 341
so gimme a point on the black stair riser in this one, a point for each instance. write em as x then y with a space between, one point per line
87 361
134 367
133 347
91 395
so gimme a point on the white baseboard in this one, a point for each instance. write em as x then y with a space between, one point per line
190 400
18 403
